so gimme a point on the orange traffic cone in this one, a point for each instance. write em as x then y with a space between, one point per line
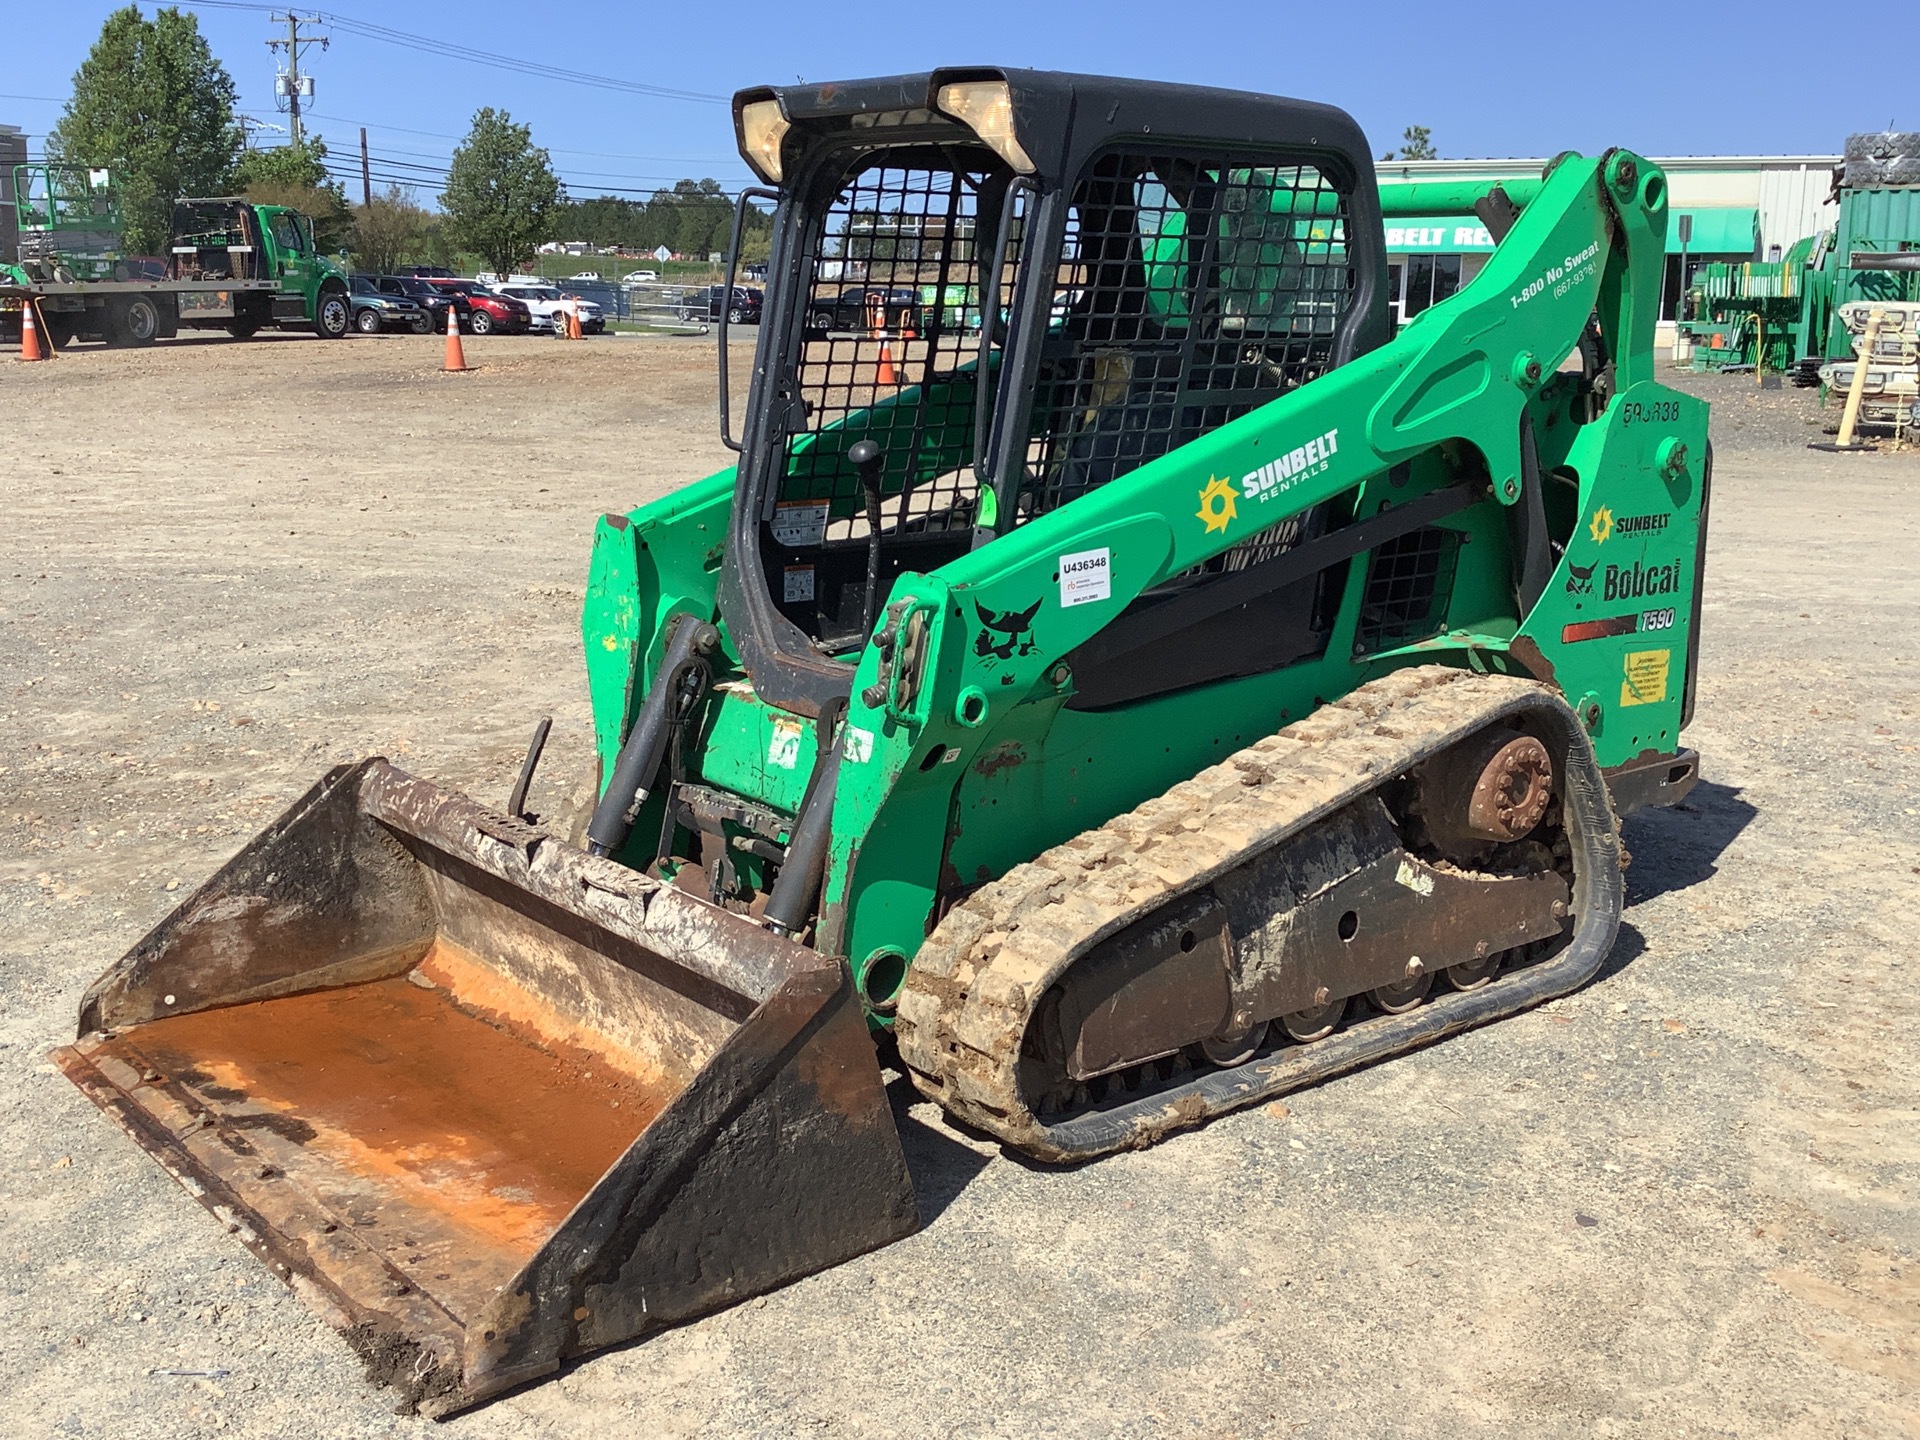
456 356
30 346
887 376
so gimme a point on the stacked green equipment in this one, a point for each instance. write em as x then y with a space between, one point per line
1792 306
69 222
1175 691
1874 255
1751 312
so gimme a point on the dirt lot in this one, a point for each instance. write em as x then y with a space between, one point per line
1681 1202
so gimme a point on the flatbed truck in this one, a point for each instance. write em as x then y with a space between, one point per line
231 265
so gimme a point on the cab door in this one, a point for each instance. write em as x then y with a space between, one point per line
293 263
293 251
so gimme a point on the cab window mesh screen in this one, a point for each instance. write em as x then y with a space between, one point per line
1409 583
1191 289
892 316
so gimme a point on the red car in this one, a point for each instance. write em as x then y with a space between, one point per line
481 311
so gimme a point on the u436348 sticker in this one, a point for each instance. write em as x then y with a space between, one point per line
1085 576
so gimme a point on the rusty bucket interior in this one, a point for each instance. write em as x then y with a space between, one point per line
488 1103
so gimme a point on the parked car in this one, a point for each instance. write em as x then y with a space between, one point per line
641 277
374 310
708 301
545 301
854 309
425 272
422 292
487 312
586 275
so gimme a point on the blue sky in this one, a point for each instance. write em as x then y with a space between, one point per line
1517 80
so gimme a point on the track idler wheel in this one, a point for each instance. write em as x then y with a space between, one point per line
1227 1052
1473 974
1316 1023
1491 789
1403 995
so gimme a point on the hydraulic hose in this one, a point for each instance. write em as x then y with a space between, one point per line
866 459
791 904
683 667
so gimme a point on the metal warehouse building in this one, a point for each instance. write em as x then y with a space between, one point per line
1738 207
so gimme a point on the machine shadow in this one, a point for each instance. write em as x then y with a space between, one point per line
1628 946
1673 849
1678 848
941 1166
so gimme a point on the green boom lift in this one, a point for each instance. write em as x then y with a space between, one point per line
1129 688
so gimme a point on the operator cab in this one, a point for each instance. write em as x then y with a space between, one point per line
991 292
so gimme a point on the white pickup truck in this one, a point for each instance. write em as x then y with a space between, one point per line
545 301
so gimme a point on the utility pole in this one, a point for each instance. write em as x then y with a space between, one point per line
366 171
293 85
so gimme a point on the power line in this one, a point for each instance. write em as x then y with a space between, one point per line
444 160
446 49
423 173
444 169
692 161
522 67
383 173
310 115
552 149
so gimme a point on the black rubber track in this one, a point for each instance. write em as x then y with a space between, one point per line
972 989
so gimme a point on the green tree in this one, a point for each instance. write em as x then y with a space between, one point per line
304 164
431 246
698 217
296 176
604 220
694 217
1416 144
151 104
502 197
385 229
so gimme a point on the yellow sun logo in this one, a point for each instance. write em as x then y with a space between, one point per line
1602 525
1216 504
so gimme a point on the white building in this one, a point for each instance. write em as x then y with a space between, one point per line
1737 207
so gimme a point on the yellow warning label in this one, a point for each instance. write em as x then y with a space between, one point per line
1646 682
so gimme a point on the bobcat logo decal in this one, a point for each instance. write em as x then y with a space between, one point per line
1004 633
1580 582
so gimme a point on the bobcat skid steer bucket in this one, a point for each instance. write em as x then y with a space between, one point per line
487 1102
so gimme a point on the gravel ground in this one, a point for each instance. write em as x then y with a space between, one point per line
1678 1203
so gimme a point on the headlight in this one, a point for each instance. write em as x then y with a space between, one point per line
986 107
762 128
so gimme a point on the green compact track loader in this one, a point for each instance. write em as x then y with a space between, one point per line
1120 681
